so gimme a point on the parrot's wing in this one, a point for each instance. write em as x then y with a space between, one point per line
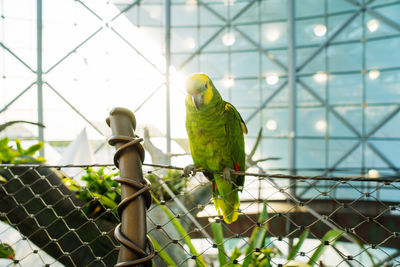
235 127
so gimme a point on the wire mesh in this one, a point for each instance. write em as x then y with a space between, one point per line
66 215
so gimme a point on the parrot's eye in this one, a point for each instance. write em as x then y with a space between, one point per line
206 86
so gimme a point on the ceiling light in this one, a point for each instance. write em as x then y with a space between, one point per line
228 39
373 25
228 81
189 43
374 74
272 79
320 77
321 125
373 173
271 125
320 30
272 35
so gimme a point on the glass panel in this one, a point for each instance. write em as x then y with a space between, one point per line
345 89
345 57
310 153
382 53
275 122
246 93
311 122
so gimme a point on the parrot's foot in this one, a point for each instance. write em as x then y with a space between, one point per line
227 173
189 170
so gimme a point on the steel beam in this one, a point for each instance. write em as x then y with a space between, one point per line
167 75
16 57
383 122
333 167
329 40
39 74
261 49
18 96
384 19
227 24
265 103
329 108
384 158
76 110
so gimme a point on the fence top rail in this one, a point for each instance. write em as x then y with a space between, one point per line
385 179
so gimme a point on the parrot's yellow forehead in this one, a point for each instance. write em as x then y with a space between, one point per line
199 83
195 82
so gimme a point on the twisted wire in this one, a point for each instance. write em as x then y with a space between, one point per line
142 189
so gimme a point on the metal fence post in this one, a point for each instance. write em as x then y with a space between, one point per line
135 197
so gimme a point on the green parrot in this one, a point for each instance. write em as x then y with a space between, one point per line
215 130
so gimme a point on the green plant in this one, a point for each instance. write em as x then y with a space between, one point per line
6 251
19 155
174 180
100 192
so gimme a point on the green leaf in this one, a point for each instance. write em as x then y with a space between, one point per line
6 251
332 236
33 149
178 226
19 148
109 203
296 248
219 240
257 237
162 253
4 142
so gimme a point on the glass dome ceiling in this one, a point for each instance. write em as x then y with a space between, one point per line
343 55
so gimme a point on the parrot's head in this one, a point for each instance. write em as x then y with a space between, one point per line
200 90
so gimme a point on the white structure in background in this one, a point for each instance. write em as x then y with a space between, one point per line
79 152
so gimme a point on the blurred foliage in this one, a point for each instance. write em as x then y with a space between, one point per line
174 180
101 192
6 251
19 155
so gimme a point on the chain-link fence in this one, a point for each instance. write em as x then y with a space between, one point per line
66 215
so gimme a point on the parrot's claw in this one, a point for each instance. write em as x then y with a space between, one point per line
227 173
189 170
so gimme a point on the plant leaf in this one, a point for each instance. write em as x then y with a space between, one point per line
163 254
219 240
296 248
178 226
257 236
6 251
332 236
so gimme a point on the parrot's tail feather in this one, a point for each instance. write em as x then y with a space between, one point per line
226 200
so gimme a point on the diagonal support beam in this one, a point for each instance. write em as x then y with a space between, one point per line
18 96
227 24
16 57
384 158
76 110
329 40
261 49
328 107
383 122
73 50
265 103
332 168
384 19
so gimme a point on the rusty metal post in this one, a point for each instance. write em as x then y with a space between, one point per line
135 197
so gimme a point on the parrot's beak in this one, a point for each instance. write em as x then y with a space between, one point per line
197 100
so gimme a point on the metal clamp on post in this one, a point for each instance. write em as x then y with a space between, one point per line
135 195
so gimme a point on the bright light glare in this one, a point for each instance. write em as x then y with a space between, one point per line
374 74
320 30
228 81
229 2
272 34
373 173
373 25
177 79
190 5
320 77
271 125
272 79
321 125
228 39
189 43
